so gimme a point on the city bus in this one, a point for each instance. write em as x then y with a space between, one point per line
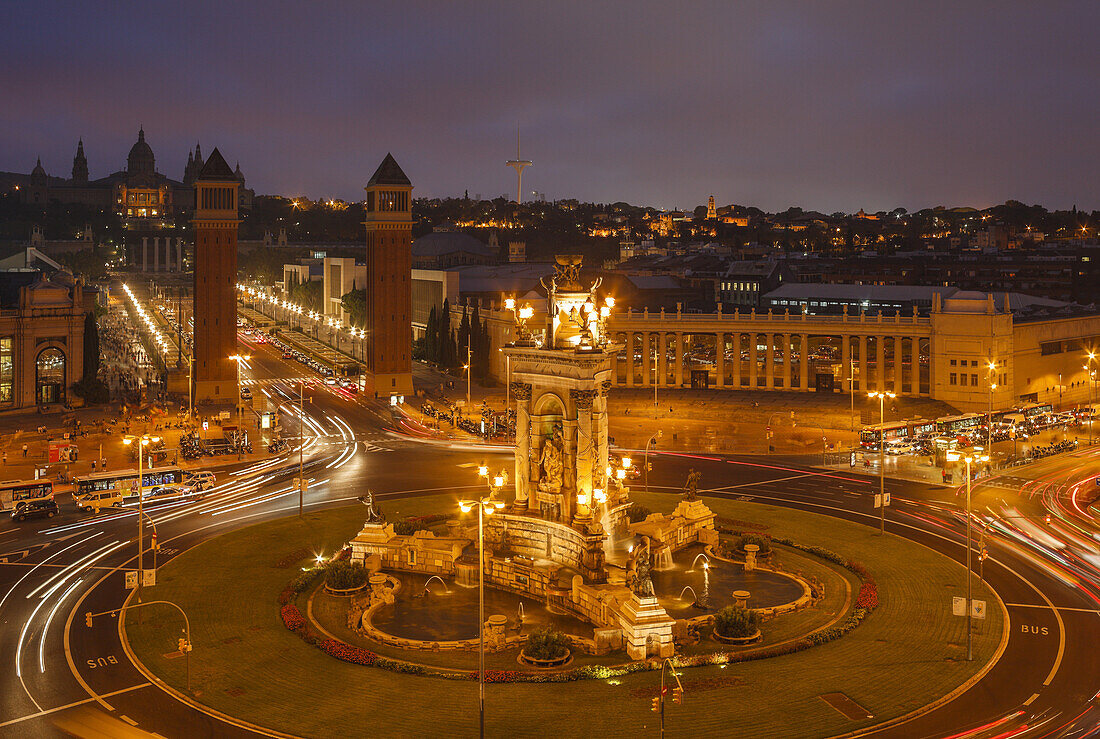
13 492
125 481
870 435
954 425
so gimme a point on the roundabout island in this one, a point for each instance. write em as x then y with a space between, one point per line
813 672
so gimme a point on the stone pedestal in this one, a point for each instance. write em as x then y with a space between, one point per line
647 628
741 598
495 638
695 513
369 539
379 591
750 557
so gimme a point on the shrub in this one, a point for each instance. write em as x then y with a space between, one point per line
763 542
303 582
637 513
341 575
546 643
408 528
735 621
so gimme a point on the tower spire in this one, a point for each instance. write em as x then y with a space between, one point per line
519 164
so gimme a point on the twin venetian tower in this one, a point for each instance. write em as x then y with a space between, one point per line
388 321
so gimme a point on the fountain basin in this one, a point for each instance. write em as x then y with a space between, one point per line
718 581
453 615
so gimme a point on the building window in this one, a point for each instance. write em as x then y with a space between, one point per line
954 378
6 375
50 376
962 379
954 362
974 380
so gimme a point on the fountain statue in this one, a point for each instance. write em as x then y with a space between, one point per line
550 480
373 515
691 487
639 579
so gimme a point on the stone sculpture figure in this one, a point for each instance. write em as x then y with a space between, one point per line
550 480
691 487
373 515
642 584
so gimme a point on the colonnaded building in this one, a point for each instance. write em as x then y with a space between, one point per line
916 341
931 342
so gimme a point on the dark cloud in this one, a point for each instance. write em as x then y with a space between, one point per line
831 106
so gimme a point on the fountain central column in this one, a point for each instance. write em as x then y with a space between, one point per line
522 393
586 451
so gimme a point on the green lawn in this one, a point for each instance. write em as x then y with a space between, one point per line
906 654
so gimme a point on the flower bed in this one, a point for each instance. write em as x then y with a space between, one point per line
347 652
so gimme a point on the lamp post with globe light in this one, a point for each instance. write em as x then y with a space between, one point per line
142 441
882 396
485 507
975 455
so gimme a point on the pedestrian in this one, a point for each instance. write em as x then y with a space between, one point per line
104 465
24 451
5 459
93 465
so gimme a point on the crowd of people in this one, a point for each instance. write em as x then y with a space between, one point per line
125 366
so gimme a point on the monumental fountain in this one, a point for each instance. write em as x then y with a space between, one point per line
565 539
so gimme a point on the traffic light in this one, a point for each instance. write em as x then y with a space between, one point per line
88 619
678 695
649 466
182 645
155 546
656 707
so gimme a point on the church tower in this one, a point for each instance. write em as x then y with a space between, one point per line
215 285
388 213
80 165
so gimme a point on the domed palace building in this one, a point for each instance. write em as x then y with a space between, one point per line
148 202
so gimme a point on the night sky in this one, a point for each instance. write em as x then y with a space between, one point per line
823 105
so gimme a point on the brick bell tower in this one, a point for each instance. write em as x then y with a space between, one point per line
388 213
215 293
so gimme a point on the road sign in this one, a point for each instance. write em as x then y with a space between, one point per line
148 578
879 499
958 606
852 460
977 609
131 579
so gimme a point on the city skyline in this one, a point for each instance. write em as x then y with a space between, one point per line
871 108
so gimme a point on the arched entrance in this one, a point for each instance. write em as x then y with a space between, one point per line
49 376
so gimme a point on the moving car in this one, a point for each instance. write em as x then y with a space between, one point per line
203 480
99 499
41 508
246 393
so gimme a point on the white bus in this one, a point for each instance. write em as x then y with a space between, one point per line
13 492
125 481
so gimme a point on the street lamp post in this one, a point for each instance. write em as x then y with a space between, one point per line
467 368
882 396
240 406
301 445
1090 376
485 506
975 456
142 441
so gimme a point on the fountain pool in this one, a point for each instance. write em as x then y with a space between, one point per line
452 615
718 580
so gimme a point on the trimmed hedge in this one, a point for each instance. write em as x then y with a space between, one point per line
344 575
546 644
735 621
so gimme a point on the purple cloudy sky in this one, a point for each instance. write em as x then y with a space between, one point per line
824 105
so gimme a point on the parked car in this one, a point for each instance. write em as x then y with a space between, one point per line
246 393
41 508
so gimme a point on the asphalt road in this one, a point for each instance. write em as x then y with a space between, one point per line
56 669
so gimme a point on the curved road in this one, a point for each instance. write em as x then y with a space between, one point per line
58 671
